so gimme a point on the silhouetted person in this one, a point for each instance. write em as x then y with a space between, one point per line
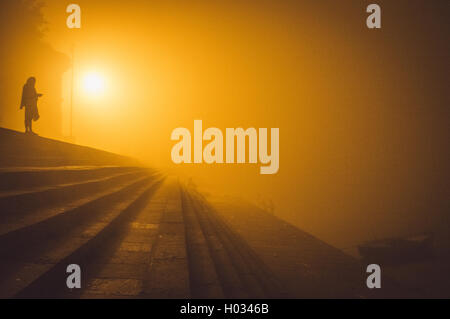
29 101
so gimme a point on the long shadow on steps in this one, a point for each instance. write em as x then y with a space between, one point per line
31 242
19 270
16 222
23 177
240 271
253 271
233 285
52 284
15 206
203 278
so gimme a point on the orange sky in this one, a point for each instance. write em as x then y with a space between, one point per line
359 111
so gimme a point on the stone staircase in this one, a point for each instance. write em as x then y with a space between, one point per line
134 232
137 233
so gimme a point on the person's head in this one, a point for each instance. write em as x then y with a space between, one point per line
31 81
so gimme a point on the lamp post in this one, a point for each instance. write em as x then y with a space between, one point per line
71 137
71 97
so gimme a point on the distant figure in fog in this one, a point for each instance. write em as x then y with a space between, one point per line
29 101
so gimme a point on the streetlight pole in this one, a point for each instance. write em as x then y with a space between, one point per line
71 93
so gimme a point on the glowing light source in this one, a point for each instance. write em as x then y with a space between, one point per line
93 83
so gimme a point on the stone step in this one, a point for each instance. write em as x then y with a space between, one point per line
24 178
38 270
259 280
149 260
233 285
19 149
204 279
305 266
14 205
168 275
14 222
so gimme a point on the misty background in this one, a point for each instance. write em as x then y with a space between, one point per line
363 114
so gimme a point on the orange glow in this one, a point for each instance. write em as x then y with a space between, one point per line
94 83
362 115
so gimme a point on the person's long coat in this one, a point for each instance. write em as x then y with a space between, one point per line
29 101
